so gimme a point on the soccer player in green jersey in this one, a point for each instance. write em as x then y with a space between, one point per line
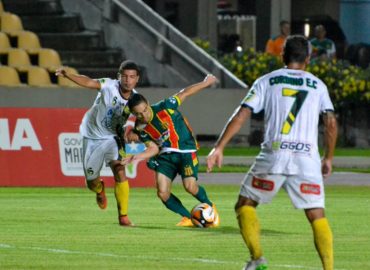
171 147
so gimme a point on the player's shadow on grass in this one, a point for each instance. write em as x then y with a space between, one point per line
219 230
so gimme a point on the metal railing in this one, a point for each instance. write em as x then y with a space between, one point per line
175 48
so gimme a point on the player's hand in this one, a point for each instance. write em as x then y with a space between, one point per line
130 135
215 157
61 72
128 160
326 167
210 79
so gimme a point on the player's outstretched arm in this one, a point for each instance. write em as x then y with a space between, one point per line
236 121
79 79
195 88
330 139
151 150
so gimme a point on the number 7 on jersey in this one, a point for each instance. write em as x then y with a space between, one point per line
299 96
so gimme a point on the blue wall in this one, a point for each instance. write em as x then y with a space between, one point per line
355 20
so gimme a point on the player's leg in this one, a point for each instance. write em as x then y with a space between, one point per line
309 195
189 166
249 225
92 163
189 172
121 192
255 190
323 237
191 186
165 166
172 203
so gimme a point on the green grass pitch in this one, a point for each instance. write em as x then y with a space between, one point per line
62 228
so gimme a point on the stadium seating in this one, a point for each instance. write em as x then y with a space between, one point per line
10 23
4 43
28 41
19 59
9 77
23 59
65 82
49 59
39 77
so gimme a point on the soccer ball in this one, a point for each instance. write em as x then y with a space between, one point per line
202 215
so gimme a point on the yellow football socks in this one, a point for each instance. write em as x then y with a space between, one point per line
324 242
250 229
122 191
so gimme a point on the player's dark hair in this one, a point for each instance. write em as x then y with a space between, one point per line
128 64
296 49
135 100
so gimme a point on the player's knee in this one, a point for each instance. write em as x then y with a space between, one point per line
242 201
92 184
119 172
191 186
163 195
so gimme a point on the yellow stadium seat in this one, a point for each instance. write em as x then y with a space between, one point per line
39 77
4 43
28 41
1 7
65 82
11 23
9 77
49 59
19 59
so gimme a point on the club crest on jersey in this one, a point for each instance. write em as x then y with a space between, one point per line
310 189
262 184
163 138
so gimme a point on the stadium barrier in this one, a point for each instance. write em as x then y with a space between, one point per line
42 147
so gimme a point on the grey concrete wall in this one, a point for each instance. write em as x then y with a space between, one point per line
207 112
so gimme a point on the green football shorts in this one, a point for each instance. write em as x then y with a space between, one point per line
172 163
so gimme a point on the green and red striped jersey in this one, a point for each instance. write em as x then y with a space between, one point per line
168 128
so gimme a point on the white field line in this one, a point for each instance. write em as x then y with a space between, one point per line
151 258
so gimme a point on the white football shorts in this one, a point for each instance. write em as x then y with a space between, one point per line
303 193
95 152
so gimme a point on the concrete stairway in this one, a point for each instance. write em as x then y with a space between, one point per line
65 32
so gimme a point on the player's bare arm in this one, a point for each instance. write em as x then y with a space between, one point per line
330 139
236 121
79 79
195 88
151 150
129 134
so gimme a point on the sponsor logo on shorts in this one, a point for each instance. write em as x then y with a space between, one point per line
188 171
262 184
310 189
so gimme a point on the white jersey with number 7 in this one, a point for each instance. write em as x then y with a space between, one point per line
292 101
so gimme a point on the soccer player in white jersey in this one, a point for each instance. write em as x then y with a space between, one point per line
102 127
292 100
